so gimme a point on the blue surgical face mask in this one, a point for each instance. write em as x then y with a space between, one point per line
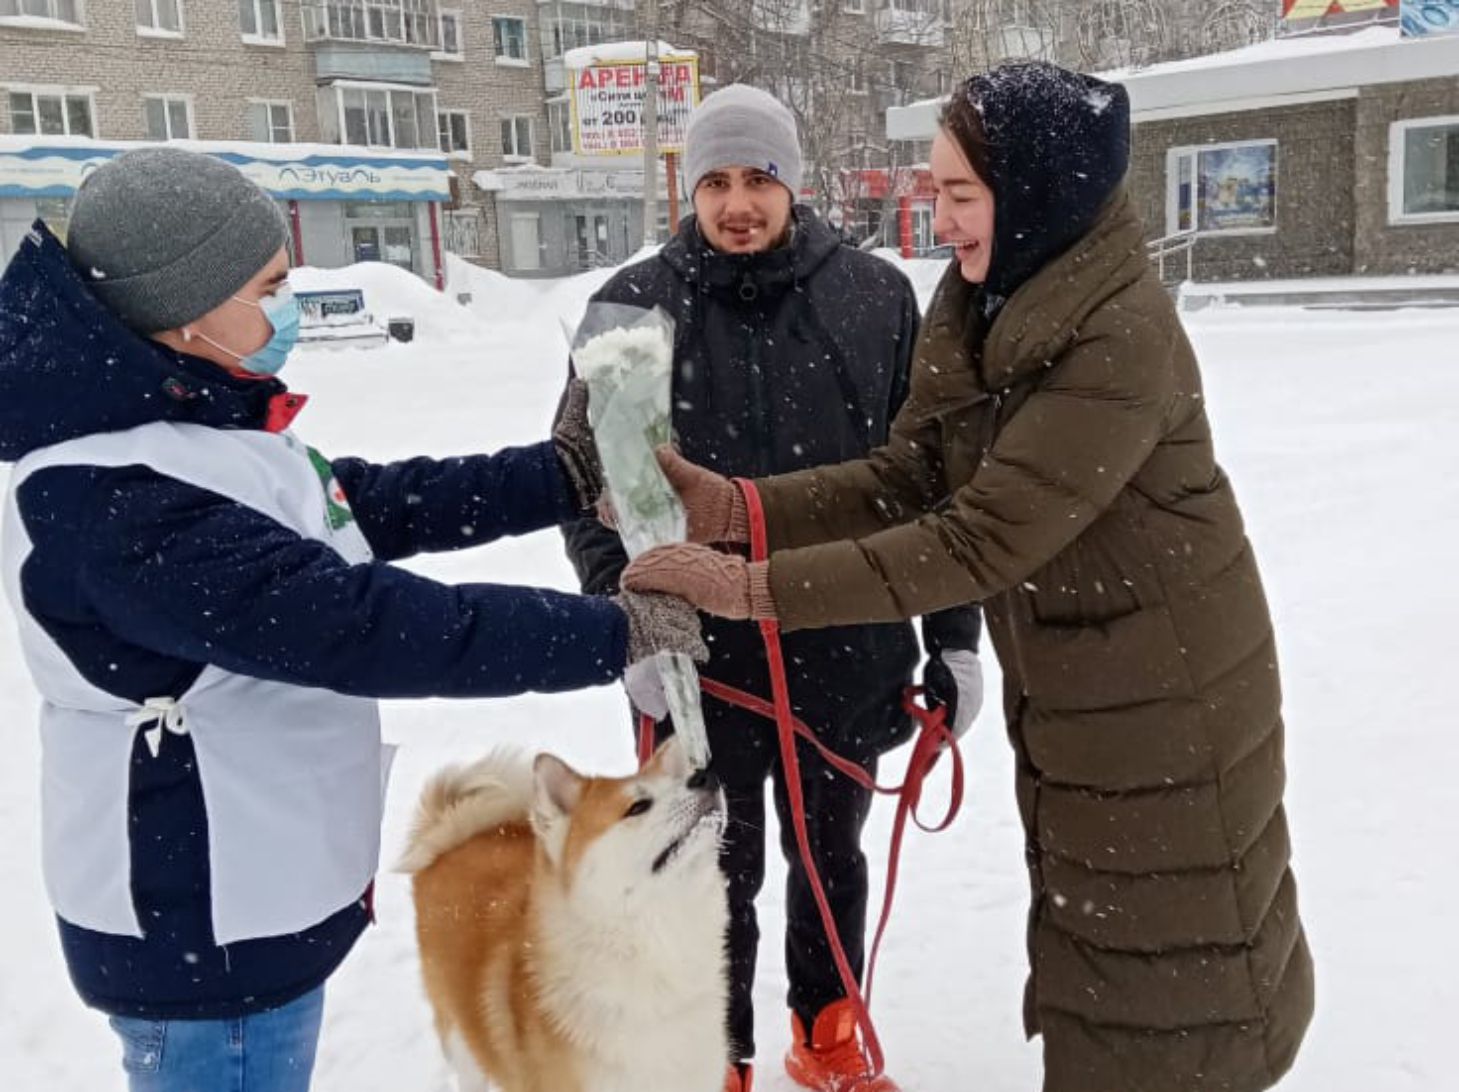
282 311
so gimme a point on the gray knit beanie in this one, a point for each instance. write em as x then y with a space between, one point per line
742 126
163 236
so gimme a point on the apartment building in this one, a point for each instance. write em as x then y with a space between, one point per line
365 119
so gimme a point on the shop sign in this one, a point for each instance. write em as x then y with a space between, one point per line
1429 18
564 184
1299 16
607 105
32 169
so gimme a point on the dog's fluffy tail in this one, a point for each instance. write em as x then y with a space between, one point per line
463 800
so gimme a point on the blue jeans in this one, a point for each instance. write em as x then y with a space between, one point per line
269 1051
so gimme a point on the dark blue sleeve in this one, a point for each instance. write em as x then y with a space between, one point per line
448 504
191 574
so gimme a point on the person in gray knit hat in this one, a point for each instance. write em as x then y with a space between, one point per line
211 615
164 235
792 349
747 127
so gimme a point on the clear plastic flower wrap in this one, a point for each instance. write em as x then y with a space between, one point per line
626 356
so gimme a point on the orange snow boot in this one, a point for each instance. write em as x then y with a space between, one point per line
739 1078
830 1058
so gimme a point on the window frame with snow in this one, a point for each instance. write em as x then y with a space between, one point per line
56 21
257 36
1400 153
1191 155
155 29
169 99
66 96
270 123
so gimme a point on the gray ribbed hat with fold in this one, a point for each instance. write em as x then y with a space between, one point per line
742 126
163 236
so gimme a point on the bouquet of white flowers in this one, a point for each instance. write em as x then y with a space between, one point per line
626 355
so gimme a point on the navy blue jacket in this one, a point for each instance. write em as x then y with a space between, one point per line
143 580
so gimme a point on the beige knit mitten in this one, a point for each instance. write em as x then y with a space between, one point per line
713 503
725 585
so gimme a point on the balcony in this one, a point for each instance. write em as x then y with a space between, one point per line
409 24
911 23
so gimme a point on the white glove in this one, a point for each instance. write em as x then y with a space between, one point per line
962 668
646 689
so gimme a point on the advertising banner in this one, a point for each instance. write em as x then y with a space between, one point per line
607 104
1300 16
1238 188
1429 18
29 167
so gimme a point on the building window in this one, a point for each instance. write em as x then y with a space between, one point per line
51 113
517 137
509 36
922 237
1424 170
1225 188
450 48
463 232
259 21
454 127
569 26
160 17
854 7
271 122
168 117
385 118
404 22
856 79
559 125
69 12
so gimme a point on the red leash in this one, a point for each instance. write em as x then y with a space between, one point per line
932 736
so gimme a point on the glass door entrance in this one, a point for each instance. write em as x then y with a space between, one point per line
382 242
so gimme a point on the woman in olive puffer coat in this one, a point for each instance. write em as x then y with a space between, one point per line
1054 462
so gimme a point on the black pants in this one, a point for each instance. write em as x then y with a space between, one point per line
745 752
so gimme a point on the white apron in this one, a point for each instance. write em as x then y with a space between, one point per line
292 777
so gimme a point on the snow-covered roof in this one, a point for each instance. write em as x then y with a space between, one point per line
1283 71
620 53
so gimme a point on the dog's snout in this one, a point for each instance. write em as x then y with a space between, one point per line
705 780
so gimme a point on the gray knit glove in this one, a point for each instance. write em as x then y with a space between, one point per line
573 438
661 623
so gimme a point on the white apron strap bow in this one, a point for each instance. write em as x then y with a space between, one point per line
160 713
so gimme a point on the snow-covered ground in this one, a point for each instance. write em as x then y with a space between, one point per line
1339 430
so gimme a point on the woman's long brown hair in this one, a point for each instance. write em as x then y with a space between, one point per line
961 120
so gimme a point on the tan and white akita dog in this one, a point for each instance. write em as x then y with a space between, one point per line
572 928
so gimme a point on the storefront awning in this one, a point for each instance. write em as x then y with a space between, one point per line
56 166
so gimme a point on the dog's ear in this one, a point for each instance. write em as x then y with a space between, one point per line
556 791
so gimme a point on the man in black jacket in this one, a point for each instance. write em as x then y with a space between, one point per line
791 350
